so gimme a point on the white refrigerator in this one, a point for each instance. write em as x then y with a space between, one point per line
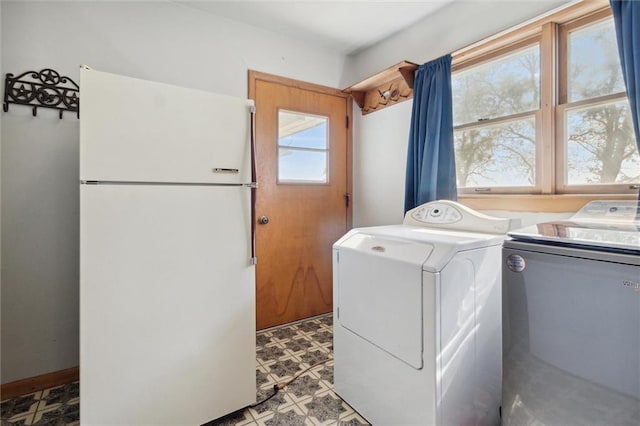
167 282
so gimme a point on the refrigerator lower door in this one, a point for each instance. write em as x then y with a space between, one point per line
571 339
167 304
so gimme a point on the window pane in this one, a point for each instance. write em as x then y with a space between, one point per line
502 87
295 165
302 130
593 62
499 155
601 147
302 147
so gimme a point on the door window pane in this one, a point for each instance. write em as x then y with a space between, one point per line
498 155
498 88
303 146
601 147
593 62
302 166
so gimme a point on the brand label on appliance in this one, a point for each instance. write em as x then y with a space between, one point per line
516 263
632 285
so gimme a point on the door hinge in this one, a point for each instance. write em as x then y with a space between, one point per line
347 199
347 121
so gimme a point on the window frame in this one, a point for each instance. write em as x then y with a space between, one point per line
536 114
327 150
563 106
552 31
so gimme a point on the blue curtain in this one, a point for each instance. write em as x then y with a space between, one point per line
431 169
626 15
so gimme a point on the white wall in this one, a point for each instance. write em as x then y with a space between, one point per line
379 159
527 218
454 26
381 143
153 40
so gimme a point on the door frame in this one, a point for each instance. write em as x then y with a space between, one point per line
254 76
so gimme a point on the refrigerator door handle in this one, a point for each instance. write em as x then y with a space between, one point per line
254 185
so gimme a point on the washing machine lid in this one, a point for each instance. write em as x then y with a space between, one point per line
600 225
444 243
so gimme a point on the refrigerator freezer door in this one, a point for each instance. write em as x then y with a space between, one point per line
141 131
167 317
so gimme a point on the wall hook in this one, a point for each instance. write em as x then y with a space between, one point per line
43 89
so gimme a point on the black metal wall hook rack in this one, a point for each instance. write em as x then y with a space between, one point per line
44 89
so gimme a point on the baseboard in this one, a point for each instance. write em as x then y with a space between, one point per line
44 381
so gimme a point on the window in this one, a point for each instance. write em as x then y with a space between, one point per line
495 110
302 148
597 143
522 127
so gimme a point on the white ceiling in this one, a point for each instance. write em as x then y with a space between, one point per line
345 26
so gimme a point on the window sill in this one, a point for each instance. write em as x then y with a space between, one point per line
560 203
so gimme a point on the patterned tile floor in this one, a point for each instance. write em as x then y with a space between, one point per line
281 353
54 406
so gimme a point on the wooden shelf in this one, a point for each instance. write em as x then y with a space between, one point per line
388 87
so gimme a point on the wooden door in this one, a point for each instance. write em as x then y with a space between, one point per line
301 208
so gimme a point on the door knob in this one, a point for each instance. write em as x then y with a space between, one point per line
263 220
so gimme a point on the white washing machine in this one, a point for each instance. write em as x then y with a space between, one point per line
417 318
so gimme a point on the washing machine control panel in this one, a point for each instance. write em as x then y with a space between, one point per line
436 213
451 215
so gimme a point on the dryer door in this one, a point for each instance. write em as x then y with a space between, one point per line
380 293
